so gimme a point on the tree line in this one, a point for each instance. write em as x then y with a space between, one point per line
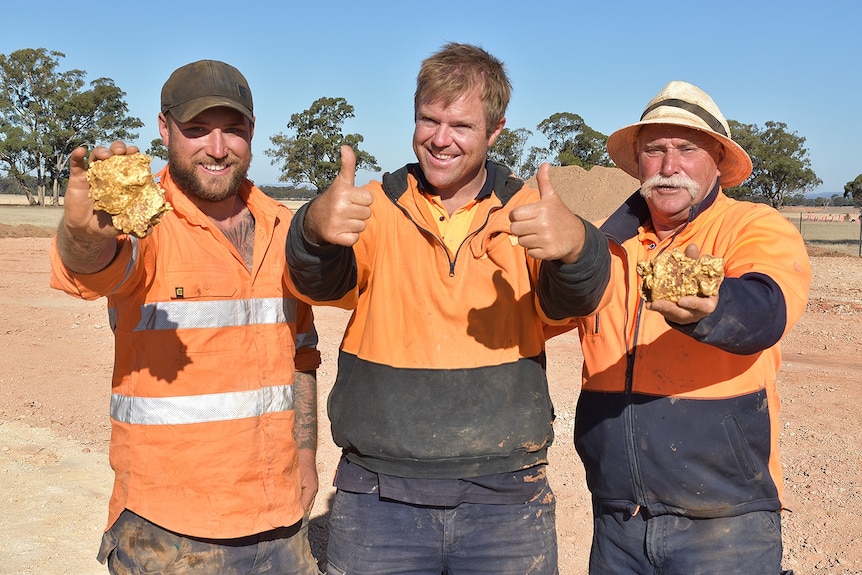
45 113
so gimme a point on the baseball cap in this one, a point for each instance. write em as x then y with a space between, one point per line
206 84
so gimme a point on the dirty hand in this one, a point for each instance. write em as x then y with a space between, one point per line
690 308
339 214
86 237
547 228
80 218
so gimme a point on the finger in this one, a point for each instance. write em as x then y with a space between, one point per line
78 161
692 251
119 148
347 173
102 153
543 179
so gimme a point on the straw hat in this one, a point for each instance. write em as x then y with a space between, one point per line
683 104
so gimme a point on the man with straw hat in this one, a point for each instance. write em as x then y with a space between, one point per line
677 421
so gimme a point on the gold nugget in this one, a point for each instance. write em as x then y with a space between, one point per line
672 275
123 186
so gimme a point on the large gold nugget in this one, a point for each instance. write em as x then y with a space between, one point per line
672 275
123 186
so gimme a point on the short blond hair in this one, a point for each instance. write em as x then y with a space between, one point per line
458 69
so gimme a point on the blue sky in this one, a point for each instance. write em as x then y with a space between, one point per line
786 61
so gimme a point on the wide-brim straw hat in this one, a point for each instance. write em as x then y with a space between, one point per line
683 104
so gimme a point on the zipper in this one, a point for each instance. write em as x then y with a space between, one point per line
628 415
452 259
628 412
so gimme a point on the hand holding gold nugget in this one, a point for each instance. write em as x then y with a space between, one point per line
672 275
123 186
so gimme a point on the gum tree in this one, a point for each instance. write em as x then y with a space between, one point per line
46 113
312 153
781 167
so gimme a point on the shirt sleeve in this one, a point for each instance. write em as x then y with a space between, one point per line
100 284
765 289
322 273
576 290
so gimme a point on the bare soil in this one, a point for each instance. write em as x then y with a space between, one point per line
55 368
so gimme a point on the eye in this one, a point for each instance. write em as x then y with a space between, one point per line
194 131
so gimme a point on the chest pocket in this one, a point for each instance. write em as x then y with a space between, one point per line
213 282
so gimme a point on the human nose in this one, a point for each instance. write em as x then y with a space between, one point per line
442 136
670 163
216 144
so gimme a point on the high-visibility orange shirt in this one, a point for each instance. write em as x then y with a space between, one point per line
202 389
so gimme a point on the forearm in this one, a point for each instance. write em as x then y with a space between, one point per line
320 272
305 434
84 253
751 316
576 289
305 410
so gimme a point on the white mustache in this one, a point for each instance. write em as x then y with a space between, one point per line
677 181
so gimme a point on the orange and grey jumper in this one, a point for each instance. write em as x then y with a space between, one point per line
202 392
442 367
683 419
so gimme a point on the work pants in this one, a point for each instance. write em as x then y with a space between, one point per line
637 544
134 546
374 536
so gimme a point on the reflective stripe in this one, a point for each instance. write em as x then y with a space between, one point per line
201 408
179 314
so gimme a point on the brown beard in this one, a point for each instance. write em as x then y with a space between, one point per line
186 178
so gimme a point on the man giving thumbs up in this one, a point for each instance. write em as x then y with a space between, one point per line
453 269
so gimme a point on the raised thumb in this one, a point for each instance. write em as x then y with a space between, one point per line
543 179
347 173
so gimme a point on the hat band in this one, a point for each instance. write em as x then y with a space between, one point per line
701 113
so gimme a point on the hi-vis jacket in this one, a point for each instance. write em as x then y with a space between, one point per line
441 371
679 419
202 390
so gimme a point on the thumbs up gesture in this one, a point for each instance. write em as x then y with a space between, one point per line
338 215
547 228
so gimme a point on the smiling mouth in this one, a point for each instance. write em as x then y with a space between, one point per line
443 157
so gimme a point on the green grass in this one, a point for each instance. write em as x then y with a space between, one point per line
836 236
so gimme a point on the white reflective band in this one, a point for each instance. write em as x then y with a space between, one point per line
179 314
201 408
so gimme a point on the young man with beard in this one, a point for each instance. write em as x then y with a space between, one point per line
677 421
453 269
213 402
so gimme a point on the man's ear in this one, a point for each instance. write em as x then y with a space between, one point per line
496 133
164 132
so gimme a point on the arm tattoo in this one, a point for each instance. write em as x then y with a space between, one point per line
305 409
85 254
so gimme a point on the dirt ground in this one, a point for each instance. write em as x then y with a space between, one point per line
54 388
